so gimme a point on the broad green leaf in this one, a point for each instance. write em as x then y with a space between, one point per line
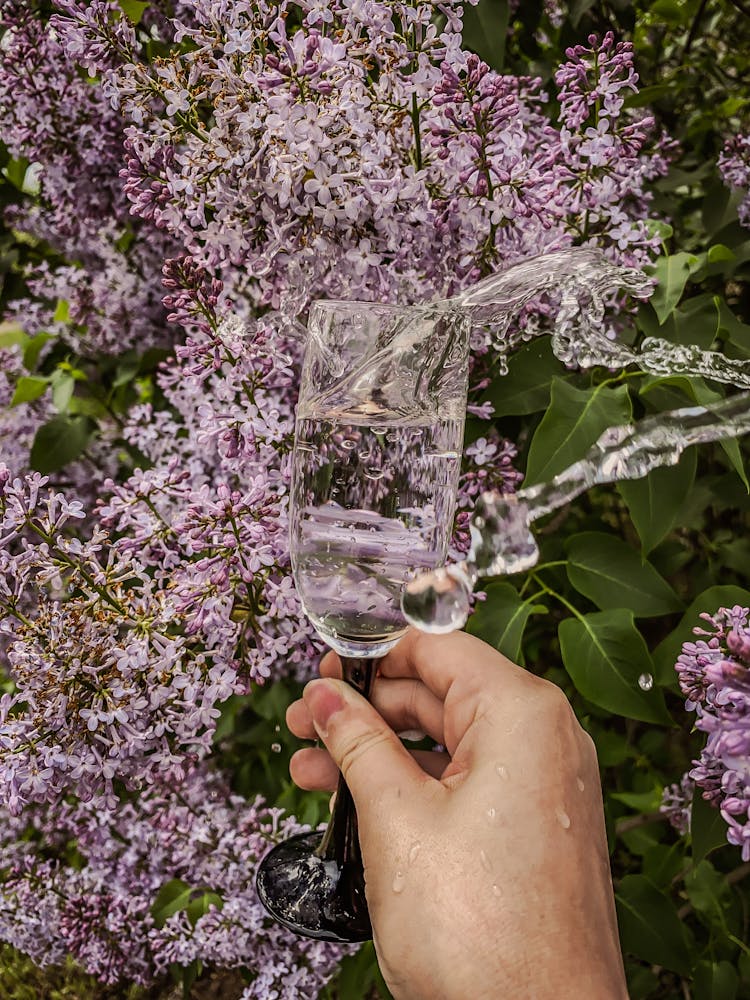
662 863
573 422
578 8
605 654
501 619
666 653
650 928
711 897
171 898
15 171
62 312
485 28
737 332
642 981
642 802
526 386
672 273
715 981
59 441
133 9
654 501
708 828
28 388
12 335
606 570
33 349
696 321
200 904
671 11
63 385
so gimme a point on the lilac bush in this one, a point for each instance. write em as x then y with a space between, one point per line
197 179
714 675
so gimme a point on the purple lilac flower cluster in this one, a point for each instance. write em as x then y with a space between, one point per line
734 165
99 909
268 153
714 674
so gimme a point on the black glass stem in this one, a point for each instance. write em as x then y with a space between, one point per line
314 883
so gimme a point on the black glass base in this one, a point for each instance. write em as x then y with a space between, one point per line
311 895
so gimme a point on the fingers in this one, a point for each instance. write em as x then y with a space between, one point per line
442 661
362 745
314 770
405 704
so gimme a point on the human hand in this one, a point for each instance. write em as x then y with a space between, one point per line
486 868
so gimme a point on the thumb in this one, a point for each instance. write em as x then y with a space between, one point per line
368 753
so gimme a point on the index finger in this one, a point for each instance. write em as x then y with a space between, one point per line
440 661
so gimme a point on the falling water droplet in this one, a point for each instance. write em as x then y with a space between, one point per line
502 771
485 861
562 818
415 849
437 602
277 728
398 881
275 748
580 784
645 682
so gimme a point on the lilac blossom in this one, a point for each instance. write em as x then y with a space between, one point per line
734 166
714 674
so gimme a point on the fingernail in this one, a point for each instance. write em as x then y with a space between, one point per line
324 699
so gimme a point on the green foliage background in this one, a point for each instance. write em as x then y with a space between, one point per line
624 572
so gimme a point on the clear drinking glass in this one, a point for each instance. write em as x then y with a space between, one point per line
377 454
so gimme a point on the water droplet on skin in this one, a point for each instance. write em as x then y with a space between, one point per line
562 818
485 861
496 889
580 784
491 814
502 771
414 852
645 682
275 748
399 880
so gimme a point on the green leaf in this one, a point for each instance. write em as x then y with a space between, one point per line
34 348
661 863
62 312
605 654
485 28
715 981
526 386
654 502
28 388
708 828
571 425
200 904
63 385
15 171
666 653
642 802
133 9
12 335
672 273
650 928
501 619
606 570
710 895
59 441
171 898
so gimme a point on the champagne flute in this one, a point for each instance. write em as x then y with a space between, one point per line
376 462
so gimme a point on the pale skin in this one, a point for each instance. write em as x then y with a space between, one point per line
486 867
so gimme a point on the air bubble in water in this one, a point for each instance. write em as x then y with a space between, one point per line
645 682
374 473
437 602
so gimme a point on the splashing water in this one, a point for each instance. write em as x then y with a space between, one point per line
581 280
